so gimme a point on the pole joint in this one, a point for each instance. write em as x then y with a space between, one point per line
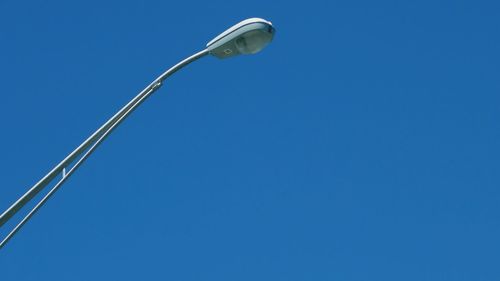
156 85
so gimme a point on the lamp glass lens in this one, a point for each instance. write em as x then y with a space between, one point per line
253 41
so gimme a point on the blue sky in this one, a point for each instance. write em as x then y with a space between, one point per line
362 144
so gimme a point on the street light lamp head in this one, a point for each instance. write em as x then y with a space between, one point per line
247 37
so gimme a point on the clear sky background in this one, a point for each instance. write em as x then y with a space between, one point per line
362 144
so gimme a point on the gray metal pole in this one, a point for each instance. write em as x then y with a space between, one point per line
84 150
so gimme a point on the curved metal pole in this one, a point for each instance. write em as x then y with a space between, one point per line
85 149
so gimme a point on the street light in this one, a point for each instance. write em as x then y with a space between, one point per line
247 37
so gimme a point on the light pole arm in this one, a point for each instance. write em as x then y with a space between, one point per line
85 149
